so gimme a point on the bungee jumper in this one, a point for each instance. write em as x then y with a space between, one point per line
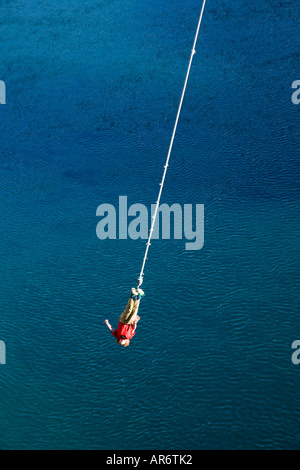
128 320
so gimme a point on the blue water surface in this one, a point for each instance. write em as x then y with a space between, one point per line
92 93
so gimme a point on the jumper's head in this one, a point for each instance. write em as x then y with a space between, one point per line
123 342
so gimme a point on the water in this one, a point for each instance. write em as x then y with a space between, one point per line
92 93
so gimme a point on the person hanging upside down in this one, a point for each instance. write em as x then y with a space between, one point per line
128 320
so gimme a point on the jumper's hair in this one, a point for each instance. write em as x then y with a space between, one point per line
124 345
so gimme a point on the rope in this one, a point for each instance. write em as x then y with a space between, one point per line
193 52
